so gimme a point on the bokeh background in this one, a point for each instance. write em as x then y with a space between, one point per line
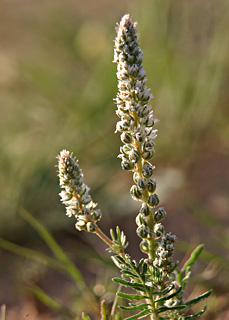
57 85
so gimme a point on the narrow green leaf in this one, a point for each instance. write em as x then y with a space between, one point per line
85 316
193 257
112 234
198 299
144 312
163 292
170 295
50 302
131 296
196 315
125 271
144 269
134 285
135 307
164 308
53 245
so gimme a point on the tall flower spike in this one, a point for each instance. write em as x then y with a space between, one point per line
75 194
137 134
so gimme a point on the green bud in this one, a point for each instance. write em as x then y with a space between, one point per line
159 214
147 170
153 200
144 246
143 231
126 137
127 165
96 215
134 156
151 186
91 227
148 155
80 225
140 220
135 193
142 184
145 210
159 229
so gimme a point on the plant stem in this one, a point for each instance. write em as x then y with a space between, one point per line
102 236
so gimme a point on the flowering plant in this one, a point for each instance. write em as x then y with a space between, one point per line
156 281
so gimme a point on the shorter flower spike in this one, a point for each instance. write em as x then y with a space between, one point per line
75 194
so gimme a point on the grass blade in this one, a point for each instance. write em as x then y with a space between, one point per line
55 248
50 302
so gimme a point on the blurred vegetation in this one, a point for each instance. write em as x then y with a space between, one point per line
57 84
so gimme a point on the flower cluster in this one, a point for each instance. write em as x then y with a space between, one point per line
75 194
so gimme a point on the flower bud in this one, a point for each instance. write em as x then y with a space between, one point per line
135 193
127 165
80 225
96 215
91 227
142 184
143 231
153 200
126 137
151 186
159 229
148 155
159 214
140 220
147 170
145 210
144 246
134 156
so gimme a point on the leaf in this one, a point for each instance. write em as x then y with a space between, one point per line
135 307
193 257
131 296
53 245
165 291
50 302
198 299
134 285
169 296
164 308
85 316
144 312
196 315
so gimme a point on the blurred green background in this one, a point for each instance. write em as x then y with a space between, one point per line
57 84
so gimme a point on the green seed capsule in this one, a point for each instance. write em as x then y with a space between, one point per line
153 200
151 186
